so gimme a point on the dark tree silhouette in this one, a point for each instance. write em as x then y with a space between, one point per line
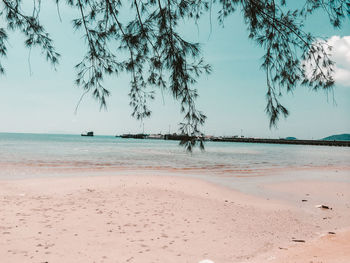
159 57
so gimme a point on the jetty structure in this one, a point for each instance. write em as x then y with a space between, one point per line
134 136
282 141
288 140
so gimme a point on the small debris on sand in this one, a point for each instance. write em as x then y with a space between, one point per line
298 240
323 207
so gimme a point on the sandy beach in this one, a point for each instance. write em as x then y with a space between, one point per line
174 131
144 218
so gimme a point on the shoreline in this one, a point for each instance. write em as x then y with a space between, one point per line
145 218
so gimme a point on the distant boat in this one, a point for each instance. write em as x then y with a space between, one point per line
290 138
90 133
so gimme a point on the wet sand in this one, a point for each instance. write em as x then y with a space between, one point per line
124 218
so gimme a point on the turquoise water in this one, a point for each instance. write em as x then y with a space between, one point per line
33 153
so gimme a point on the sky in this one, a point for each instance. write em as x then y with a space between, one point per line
34 98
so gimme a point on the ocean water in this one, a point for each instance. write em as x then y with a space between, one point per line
23 155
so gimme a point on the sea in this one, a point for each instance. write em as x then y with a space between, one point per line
37 155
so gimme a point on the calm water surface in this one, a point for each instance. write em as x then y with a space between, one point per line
36 152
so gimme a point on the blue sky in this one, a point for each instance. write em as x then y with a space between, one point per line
233 96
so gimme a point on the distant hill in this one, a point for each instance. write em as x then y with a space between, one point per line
339 137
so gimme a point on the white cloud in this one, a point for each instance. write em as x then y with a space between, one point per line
341 56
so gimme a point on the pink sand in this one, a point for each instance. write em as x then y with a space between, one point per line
170 219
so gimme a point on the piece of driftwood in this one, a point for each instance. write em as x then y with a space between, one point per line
298 240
